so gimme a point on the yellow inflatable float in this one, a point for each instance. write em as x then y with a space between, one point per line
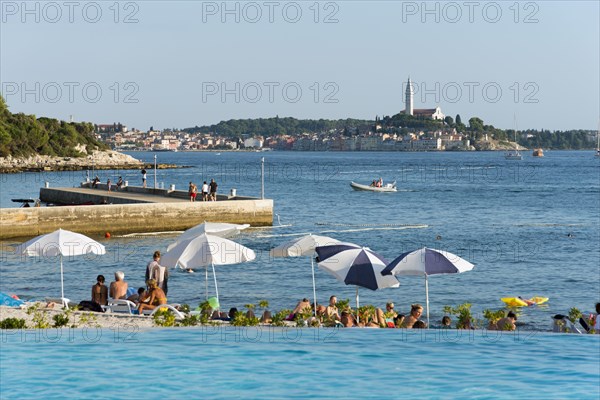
520 302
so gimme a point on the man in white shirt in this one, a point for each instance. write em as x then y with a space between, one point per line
205 191
157 272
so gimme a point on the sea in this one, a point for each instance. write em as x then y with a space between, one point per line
530 227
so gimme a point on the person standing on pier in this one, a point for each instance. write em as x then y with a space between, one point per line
205 191
192 191
108 184
143 178
213 190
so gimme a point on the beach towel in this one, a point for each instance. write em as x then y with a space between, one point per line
6 300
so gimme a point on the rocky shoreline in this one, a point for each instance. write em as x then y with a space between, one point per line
98 160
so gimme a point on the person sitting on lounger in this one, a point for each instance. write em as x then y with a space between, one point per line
100 291
415 313
347 320
118 288
302 306
331 312
505 324
137 296
156 297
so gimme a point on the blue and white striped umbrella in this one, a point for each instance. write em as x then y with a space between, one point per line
355 265
427 262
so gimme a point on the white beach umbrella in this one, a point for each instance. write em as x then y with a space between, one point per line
427 262
220 229
207 250
304 247
60 243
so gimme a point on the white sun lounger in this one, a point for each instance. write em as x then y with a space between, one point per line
171 307
121 306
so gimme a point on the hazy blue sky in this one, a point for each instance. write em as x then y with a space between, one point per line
186 63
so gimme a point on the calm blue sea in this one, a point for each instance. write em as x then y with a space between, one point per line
278 363
531 227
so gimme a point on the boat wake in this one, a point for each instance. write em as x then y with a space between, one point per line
398 228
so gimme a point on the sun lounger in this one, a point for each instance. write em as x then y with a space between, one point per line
171 307
121 306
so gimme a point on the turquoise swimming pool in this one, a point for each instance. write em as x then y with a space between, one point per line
229 362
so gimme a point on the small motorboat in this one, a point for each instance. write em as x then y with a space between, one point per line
388 187
513 155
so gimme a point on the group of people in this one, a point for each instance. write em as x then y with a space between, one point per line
330 314
389 318
208 191
96 180
377 183
146 298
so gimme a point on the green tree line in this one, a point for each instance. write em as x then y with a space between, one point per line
236 128
24 135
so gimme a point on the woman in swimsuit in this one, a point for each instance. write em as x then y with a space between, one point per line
157 297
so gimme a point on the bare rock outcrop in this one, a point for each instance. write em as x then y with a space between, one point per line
107 159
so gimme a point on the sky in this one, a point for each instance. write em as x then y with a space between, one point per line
177 64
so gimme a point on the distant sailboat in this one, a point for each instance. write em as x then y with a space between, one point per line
514 154
598 141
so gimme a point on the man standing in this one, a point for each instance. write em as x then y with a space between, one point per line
143 178
213 190
192 190
205 191
157 272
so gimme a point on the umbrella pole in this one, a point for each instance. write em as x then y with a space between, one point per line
206 281
62 285
357 316
215 276
427 298
312 266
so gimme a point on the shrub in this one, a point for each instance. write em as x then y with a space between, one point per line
279 318
60 320
13 323
39 317
164 318
465 319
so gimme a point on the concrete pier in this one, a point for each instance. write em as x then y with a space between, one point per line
131 210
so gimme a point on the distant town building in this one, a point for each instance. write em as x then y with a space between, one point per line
256 143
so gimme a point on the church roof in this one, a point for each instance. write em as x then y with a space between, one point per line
427 111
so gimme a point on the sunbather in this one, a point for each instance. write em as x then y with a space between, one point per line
331 311
137 296
118 288
415 313
302 306
348 320
505 324
100 291
156 297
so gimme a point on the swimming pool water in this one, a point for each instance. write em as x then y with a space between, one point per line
261 362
